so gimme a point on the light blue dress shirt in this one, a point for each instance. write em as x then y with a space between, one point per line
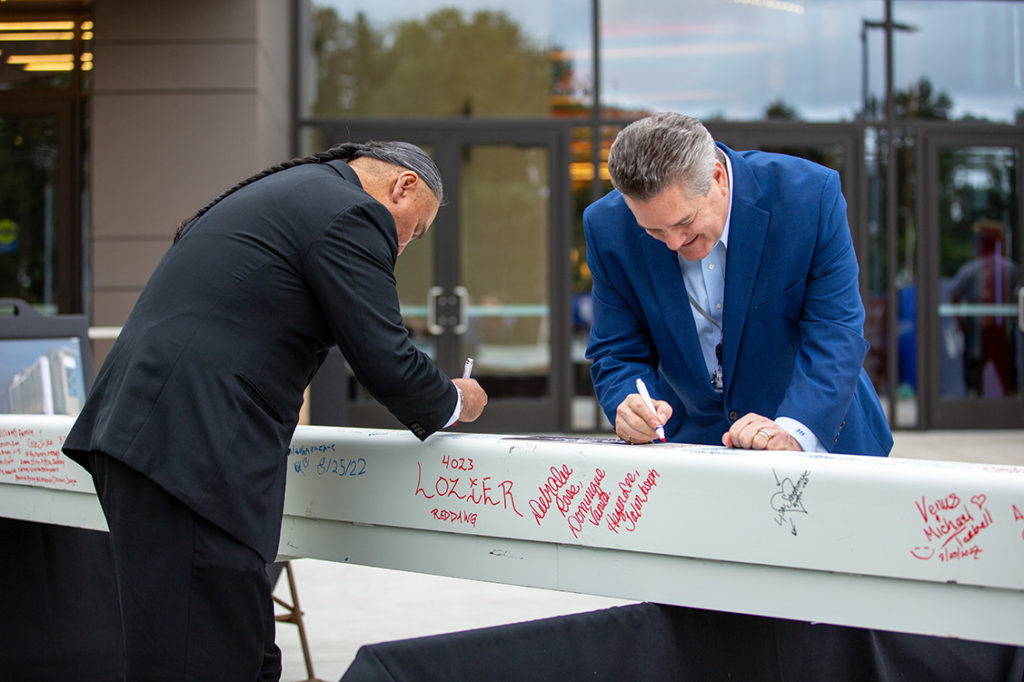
705 282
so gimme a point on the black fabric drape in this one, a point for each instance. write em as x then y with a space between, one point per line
59 604
652 643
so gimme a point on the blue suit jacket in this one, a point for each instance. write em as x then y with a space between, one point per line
793 342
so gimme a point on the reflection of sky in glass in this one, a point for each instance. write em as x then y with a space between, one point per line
549 24
713 57
971 50
541 19
733 58
21 353
564 24
710 57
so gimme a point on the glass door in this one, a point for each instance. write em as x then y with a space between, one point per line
974 253
37 251
504 198
484 281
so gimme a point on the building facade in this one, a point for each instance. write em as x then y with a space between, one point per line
117 119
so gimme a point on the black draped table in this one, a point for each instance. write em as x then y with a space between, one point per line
652 643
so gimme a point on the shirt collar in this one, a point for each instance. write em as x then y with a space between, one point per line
724 239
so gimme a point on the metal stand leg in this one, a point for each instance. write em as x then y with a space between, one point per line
294 616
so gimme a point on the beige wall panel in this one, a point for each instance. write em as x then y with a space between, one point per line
127 263
175 66
100 349
189 98
158 158
273 77
110 308
274 112
180 20
274 34
273 135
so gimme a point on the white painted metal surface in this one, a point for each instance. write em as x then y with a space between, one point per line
928 547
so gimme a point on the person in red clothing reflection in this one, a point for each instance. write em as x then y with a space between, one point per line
991 364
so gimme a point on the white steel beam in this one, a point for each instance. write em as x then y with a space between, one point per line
915 546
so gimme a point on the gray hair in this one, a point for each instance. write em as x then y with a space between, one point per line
403 154
654 152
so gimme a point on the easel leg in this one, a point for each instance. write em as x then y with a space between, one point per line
294 616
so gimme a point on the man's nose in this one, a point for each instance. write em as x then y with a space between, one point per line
675 239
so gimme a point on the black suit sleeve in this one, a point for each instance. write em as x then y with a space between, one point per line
350 266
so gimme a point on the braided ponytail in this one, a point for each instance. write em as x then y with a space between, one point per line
402 154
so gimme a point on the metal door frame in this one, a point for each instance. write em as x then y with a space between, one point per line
935 411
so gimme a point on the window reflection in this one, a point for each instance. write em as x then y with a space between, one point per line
783 65
979 335
449 58
735 60
968 51
503 213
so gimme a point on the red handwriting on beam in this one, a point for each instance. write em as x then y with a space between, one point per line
454 516
28 457
627 512
592 505
555 489
474 490
952 527
933 509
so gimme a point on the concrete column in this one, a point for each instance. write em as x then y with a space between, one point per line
188 98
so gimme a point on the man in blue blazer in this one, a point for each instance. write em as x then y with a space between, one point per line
748 328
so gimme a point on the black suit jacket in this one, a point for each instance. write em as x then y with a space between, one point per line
202 390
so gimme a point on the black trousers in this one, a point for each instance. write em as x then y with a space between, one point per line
195 602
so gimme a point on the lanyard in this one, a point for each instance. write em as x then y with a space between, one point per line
716 379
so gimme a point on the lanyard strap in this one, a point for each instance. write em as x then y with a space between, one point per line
716 377
703 312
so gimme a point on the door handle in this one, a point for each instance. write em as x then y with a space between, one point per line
433 293
463 323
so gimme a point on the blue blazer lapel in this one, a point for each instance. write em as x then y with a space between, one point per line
667 282
747 232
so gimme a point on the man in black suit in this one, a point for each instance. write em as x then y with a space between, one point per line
188 425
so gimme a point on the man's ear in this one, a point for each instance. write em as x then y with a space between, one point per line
721 174
405 185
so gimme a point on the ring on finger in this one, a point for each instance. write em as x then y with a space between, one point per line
764 434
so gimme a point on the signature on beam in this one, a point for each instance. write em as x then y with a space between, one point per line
788 499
